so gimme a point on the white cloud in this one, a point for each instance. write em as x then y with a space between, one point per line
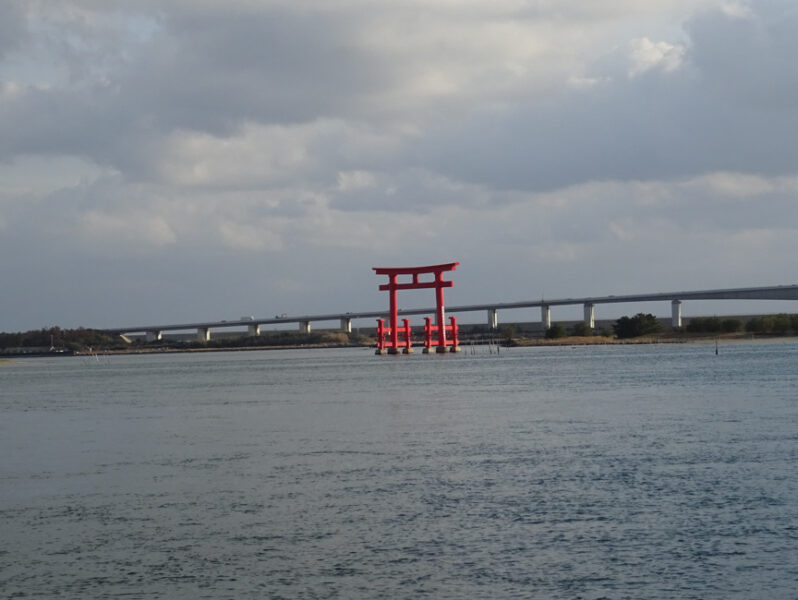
736 10
256 156
10 90
737 185
579 82
355 180
646 55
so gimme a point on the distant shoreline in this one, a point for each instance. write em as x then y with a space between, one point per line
515 343
520 342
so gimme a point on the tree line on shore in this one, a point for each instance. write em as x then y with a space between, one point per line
64 339
83 340
641 324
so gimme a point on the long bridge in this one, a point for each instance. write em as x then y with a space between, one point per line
253 325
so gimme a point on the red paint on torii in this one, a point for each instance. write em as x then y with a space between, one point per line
392 287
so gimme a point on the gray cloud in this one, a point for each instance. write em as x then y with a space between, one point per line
748 62
732 107
174 160
12 26
211 72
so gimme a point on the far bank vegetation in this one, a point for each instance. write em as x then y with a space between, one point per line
640 326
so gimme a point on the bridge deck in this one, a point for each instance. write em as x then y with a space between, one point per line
781 292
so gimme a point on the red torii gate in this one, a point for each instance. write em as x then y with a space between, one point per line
392 345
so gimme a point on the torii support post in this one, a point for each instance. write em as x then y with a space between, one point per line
442 343
408 349
455 343
407 341
393 286
381 330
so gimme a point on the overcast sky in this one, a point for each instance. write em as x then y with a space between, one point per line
179 160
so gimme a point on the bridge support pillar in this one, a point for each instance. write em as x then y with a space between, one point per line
253 330
304 327
590 315
545 316
153 336
346 325
676 314
203 334
493 318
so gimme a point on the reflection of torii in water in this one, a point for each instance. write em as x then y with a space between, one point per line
392 345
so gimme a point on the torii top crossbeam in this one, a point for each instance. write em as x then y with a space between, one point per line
416 270
437 270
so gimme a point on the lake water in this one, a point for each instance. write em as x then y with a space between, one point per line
613 472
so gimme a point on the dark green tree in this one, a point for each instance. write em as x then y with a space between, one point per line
755 325
581 329
704 325
731 325
780 324
640 324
